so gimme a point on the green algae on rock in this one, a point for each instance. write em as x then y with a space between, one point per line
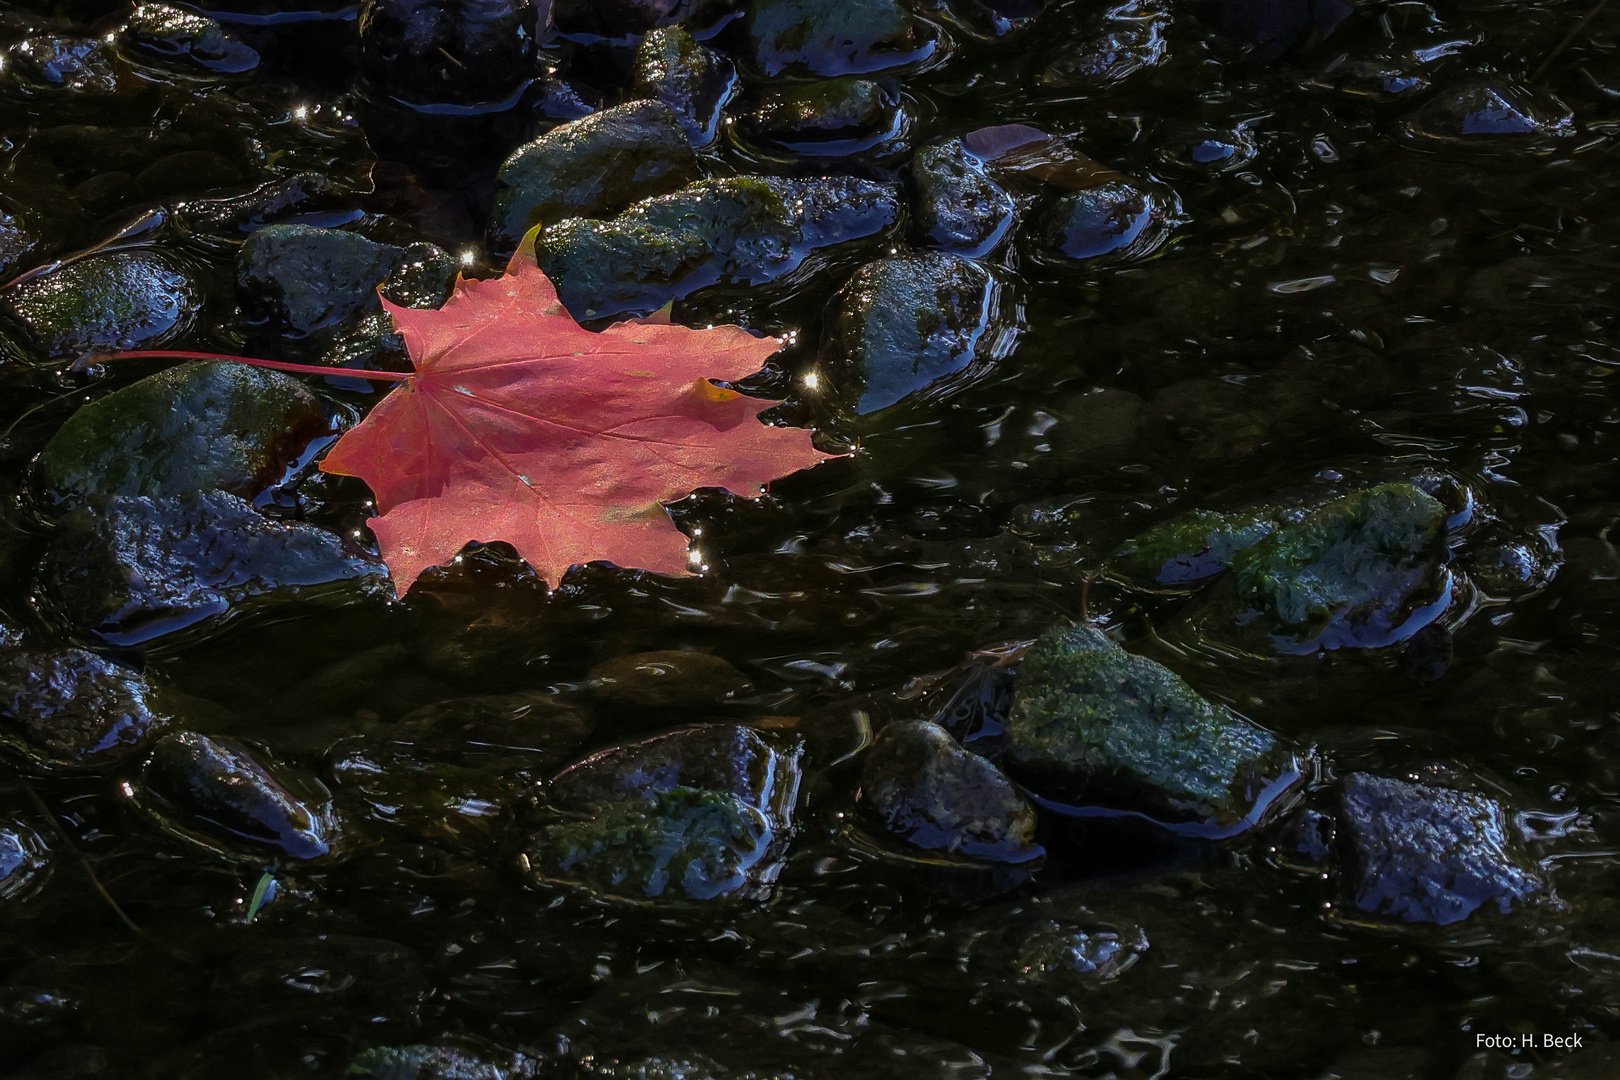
692 79
858 37
592 167
826 118
1366 570
957 206
1189 548
191 428
1095 726
745 230
132 299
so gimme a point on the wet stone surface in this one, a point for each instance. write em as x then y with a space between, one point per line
1198 664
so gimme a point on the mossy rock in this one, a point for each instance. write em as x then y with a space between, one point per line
854 37
827 117
1094 725
957 206
133 299
189 429
692 79
1188 549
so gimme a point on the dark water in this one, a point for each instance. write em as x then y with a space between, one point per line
1372 285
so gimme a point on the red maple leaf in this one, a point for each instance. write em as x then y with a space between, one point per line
520 425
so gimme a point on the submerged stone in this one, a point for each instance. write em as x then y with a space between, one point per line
72 708
692 79
23 860
1053 953
1363 571
130 568
215 791
72 65
957 206
856 37
1423 853
1127 39
696 814
1189 548
745 230
448 51
920 786
440 1061
1095 726
185 430
1274 27
1201 149
1117 219
592 167
1479 110
668 679
295 280
170 34
17 241
905 323
131 299
827 118
613 20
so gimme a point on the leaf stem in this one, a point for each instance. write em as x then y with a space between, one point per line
277 365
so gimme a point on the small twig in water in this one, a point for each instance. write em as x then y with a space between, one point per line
89 871
1541 69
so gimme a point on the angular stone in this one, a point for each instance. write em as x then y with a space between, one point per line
919 786
592 167
856 37
692 79
185 430
827 118
130 568
131 299
294 280
744 230
1118 219
72 708
1188 548
668 679
730 758
1481 110
957 206
171 34
1094 725
1423 853
1362 571
215 791
902 324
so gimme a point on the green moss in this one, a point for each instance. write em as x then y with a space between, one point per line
189 429
1105 727
132 299
689 842
850 37
1189 548
1364 553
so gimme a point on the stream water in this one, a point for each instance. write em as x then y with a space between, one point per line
1252 254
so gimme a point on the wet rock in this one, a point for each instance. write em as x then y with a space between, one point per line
130 568
919 786
957 206
1118 219
1053 953
1125 40
72 65
440 1062
497 731
693 80
17 242
668 680
1363 571
739 230
295 280
1094 725
72 708
1188 548
1423 853
592 167
185 430
448 51
314 978
214 791
1274 27
1202 149
169 34
808 37
698 813
132 299
23 861
903 324
1477 110
825 119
